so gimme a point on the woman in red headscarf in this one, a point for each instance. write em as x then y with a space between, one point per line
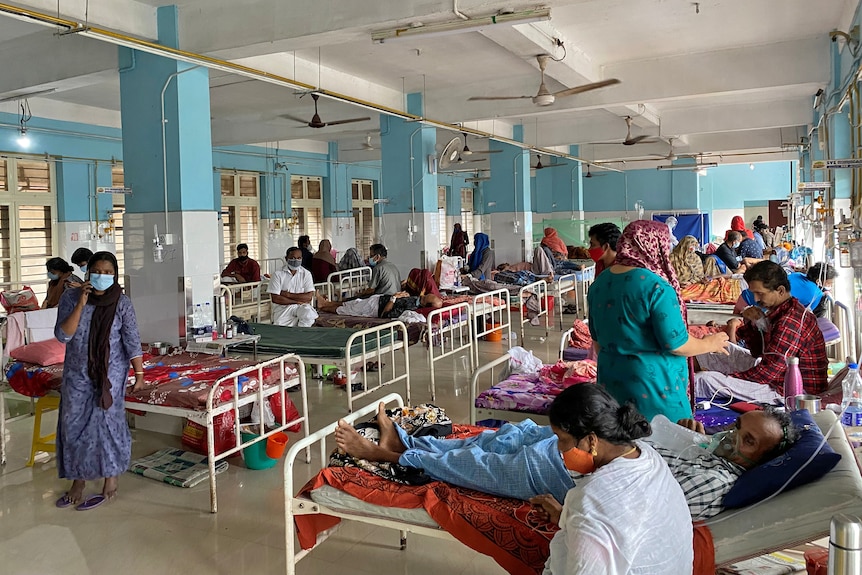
738 224
557 246
638 324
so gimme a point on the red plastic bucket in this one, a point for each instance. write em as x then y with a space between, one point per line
275 445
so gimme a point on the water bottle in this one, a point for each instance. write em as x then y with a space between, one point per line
209 318
792 383
197 319
851 403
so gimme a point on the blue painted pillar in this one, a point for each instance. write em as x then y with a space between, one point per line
840 148
82 213
338 203
508 201
169 167
410 229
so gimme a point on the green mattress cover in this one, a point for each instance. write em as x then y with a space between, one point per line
328 342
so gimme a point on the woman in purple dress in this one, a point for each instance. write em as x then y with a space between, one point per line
97 324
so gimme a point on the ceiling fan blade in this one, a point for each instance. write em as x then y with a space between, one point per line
486 151
642 139
293 118
553 166
586 88
349 121
475 98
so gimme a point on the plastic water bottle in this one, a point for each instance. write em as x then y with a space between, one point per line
209 318
851 403
792 383
197 320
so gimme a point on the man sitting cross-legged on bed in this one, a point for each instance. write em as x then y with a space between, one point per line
756 372
523 461
379 305
291 291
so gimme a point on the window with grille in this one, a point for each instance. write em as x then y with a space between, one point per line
27 212
306 203
467 211
118 181
239 213
362 192
441 216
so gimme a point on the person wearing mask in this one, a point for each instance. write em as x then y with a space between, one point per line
603 245
60 278
749 249
385 278
810 288
738 224
458 243
481 261
97 323
323 264
671 222
305 246
80 257
786 330
242 269
686 263
639 329
291 290
725 254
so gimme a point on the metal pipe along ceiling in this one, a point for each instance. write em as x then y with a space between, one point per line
102 34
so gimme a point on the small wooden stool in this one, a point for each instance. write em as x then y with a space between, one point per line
43 442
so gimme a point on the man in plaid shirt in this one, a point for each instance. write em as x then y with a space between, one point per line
756 372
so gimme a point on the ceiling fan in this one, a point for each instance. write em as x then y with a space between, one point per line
545 97
468 152
632 140
316 122
367 146
540 166
589 174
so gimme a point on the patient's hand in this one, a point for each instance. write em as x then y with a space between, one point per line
548 508
692 424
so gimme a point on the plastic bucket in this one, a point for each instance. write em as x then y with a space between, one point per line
275 445
254 455
496 335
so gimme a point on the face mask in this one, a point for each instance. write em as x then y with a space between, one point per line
52 276
735 245
83 269
242 258
294 264
101 282
725 444
691 250
596 253
372 262
579 461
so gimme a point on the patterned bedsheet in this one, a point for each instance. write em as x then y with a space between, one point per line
414 330
180 380
534 392
508 530
718 290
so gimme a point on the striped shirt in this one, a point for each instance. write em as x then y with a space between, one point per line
705 480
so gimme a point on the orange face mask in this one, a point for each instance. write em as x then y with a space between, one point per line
579 461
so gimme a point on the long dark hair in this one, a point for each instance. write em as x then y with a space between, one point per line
58 264
586 408
107 257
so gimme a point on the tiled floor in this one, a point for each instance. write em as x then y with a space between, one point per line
155 528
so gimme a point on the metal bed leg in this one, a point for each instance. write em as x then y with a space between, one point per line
403 540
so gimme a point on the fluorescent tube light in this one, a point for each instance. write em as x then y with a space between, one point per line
462 26
690 167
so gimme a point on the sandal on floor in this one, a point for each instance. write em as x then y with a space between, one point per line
91 503
64 501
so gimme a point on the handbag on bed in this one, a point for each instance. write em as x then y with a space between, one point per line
20 300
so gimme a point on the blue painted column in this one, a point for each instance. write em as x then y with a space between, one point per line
338 203
410 229
508 201
840 148
169 166
82 213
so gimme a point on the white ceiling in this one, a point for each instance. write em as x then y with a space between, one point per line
740 75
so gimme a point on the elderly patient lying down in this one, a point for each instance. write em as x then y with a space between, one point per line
379 305
523 460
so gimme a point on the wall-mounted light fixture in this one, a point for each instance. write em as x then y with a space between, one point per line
24 117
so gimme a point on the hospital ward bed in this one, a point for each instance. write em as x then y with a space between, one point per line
491 318
508 530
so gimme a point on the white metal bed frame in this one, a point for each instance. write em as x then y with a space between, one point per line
246 299
562 286
496 370
383 350
294 506
347 284
540 290
564 340
454 337
499 314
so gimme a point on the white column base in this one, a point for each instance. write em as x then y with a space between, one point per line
509 246
422 250
341 232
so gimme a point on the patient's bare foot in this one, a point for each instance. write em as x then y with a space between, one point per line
349 441
389 439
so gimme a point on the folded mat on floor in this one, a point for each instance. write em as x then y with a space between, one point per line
327 342
175 467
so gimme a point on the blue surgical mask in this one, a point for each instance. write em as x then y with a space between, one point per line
294 264
101 282
372 262
736 245
52 276
83 268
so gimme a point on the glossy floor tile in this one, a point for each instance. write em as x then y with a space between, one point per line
156 528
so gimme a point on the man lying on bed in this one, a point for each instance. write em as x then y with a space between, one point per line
379 305
522 460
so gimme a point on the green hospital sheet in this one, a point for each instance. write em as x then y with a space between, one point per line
327 342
